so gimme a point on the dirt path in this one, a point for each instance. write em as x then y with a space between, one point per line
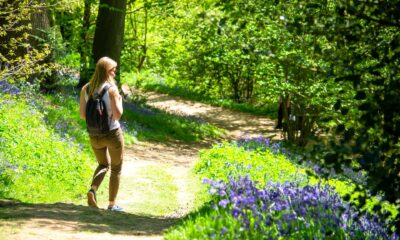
236 123
68 221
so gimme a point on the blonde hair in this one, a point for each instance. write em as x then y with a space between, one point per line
101 74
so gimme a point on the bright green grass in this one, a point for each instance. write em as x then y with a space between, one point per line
227 160
38 163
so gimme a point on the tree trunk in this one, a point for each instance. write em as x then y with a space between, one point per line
83 48
40 36
40 25
109 34
143 55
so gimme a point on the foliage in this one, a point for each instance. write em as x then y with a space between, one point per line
336 64
365 57
318 55
19 58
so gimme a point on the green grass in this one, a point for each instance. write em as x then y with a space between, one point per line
38 162
227 160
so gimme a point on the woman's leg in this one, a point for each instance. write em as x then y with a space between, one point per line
100 151
116 151
103 163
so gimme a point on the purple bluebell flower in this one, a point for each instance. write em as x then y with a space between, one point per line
223 203
212 191
206 181
236 212
223 230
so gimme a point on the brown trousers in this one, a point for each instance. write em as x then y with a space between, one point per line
106 147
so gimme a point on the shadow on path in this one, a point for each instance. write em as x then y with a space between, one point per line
69 217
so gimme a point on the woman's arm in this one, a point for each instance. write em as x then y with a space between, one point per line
116 103
82 103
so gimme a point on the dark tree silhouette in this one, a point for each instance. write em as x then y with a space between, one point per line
109 34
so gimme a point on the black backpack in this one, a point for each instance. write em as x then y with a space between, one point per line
97 119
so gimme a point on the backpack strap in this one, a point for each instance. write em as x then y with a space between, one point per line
105 89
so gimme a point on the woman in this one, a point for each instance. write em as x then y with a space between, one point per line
113 141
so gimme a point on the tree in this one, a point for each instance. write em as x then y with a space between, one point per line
83 48
365 58
109 34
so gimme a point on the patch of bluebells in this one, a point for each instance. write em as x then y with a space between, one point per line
130 130
140 109
357 177
265 144
8 88
287 210
7 166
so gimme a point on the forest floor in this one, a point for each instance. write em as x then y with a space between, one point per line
77 221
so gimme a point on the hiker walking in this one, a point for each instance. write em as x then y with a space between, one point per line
101 107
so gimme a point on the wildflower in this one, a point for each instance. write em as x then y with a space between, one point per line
236 212
212 191
223 230
206 181
223 203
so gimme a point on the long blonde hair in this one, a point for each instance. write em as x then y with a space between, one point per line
101 74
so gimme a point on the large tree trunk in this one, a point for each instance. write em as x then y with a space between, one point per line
109 34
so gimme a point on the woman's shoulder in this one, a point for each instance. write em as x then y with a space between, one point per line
112 88
84 88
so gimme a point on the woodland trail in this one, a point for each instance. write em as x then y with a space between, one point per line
77 221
